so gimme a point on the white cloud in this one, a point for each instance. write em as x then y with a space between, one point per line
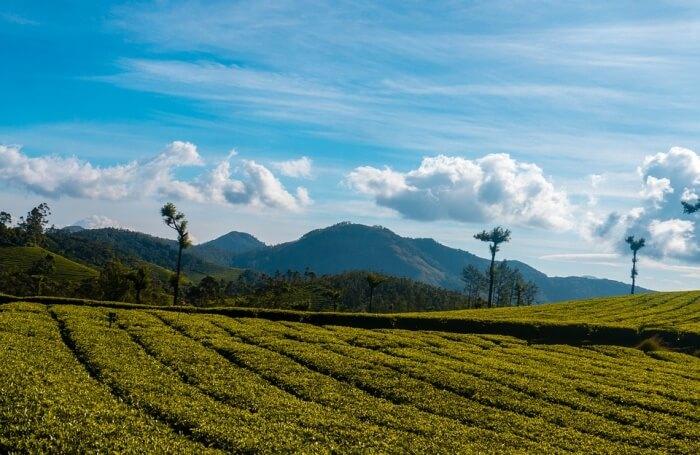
57 177
98 222
666 180
493 188
299 168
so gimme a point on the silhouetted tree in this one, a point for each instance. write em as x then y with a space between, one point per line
7 236
176 220
690 207
32 227
635 245
495 237
373 281
140 279
474 283
40 270
114 281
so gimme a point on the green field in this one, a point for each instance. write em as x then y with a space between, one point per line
662 310
169 381
21 258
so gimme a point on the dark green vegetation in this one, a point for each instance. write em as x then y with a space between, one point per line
23 258
347 291
347 246
77 380
97 246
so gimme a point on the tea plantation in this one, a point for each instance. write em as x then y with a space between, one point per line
81 378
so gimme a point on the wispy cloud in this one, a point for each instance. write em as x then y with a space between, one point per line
17 19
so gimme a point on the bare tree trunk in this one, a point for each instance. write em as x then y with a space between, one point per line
492 271
177 276
634 270
371 296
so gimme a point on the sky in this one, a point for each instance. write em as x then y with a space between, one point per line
575 124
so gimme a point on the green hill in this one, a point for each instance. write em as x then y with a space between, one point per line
22 258
662 310
97 246
101 379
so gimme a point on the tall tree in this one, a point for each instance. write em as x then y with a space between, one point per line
373 281
176 220
32 227
495 237
635 246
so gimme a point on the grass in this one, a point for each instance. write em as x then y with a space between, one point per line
662 310
196 382
22 258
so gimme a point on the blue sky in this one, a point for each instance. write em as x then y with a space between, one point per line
558 119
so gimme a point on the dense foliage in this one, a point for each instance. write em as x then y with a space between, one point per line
348 291
169 381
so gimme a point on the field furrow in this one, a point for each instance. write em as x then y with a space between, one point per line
49 402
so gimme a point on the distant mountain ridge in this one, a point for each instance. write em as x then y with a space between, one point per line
347 246
335 249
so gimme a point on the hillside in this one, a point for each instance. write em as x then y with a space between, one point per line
348 246
677 310
21 258
121 387
96 246
222 249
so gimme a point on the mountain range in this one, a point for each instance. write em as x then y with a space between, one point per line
345 247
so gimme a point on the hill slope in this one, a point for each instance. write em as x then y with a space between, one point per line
222 249
22 258
302 388
662 310
99 245
348 246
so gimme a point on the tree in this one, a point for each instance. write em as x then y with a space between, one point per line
690 207
635 245
495 237
6 231
373 281
114 281
141 280
32 227
176 220
474 283
40 270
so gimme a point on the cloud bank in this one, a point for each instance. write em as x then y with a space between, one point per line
56 177
666 180
494 188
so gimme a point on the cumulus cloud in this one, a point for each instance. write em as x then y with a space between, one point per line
98 222
57 177
299 168
666 179
492 188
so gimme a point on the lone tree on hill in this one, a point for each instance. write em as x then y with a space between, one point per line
635 245
373 280
176 220
496 236
690 207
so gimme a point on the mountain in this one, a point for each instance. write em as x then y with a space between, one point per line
348 246
96 246
222 249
